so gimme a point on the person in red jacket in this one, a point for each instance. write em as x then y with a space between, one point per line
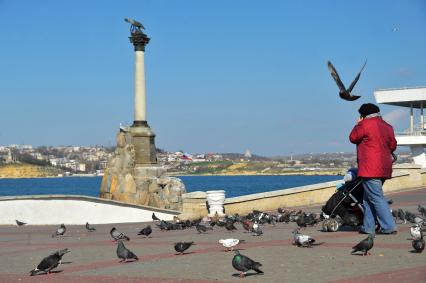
375 142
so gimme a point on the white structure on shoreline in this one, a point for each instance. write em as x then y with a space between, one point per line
415 136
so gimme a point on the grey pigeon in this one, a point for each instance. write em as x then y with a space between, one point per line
154 217
90 228
229 225
401 215
422 210
60 231
202 229
124 253
19 223
344 93
48 263
181 247
243 264
134 22
410 216
418 245
302 240
256 231
146 231
117 235
364 246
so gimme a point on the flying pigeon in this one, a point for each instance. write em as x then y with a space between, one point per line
183 246
50 262
229 244
416 232
146 231
117 235
154 217
60 231
302 240
134 22
202 229
19 223
90 228
418 245
124 253
364 246
243 264
344 93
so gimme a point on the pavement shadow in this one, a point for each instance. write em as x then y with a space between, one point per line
247 274
414 252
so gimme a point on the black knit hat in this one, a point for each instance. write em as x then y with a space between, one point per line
367 109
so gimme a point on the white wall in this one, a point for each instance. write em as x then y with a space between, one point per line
54 210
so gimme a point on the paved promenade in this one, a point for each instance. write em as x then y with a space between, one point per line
93 255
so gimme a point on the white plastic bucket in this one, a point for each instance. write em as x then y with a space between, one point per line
216 199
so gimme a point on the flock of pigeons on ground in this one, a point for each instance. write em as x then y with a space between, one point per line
251 223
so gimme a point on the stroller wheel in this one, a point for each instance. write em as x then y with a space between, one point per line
333 225
325 225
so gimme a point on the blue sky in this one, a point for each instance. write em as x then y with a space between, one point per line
222 76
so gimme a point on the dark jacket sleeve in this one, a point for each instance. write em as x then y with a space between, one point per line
357 134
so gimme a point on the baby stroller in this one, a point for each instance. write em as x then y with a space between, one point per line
345 205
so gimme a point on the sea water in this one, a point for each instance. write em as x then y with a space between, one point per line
89 186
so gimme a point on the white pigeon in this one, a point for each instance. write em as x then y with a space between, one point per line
229 244
416 232
302 240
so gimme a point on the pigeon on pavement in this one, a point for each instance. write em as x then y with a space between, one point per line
90 228
401 215
124 253
416 232
256 231
117 235
418 245
229 244
364 246
202 229
48 263
422 210
229 225
154 217
60 231
181 247
19 223
302 240
243 264
146 231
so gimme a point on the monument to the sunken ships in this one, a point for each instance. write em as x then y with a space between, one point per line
133 174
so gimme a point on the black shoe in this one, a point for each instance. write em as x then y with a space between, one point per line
387 233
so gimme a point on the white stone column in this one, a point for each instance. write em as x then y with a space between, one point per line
140 88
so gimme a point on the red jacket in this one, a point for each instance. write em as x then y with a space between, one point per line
375 141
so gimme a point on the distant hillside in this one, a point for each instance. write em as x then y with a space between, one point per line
23 170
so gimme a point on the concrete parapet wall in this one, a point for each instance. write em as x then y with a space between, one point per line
404 177
66 209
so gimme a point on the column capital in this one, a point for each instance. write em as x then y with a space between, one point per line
139 40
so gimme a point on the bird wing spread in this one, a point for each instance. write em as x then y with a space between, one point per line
336 77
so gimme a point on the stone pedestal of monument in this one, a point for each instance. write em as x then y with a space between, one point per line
133 175
145 184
